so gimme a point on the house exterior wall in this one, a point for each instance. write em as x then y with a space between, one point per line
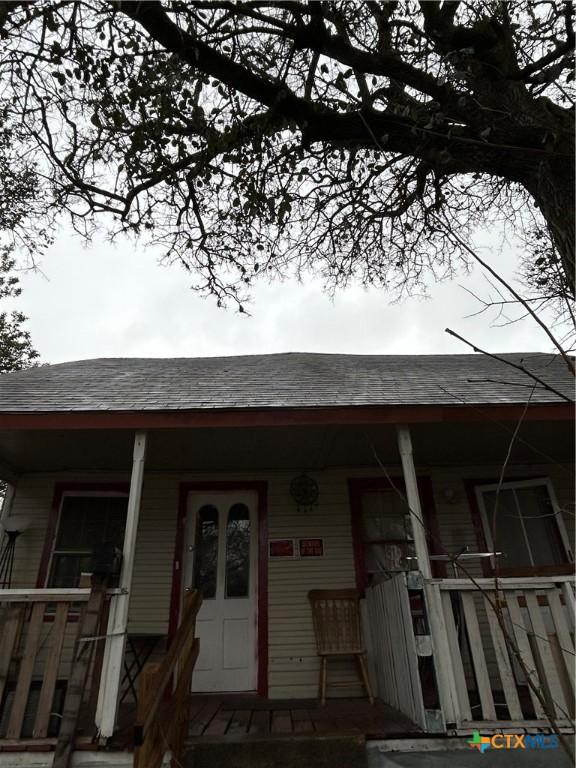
293 664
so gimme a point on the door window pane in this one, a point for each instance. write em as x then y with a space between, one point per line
238 551
206 551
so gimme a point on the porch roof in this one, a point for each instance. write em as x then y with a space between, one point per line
281 381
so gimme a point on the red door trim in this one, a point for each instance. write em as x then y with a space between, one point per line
261 488
59 490
356 485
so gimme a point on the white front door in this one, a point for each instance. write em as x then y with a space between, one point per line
221 549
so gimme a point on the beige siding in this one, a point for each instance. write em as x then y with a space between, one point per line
33 499
293 665
293 660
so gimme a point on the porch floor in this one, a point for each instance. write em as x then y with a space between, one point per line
242 717
237 717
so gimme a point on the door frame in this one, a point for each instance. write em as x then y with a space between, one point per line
260 487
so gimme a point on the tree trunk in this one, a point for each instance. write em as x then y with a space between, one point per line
552 187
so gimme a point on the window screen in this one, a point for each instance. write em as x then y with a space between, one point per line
85 522
385 533
523 524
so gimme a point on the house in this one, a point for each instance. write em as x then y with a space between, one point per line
439 486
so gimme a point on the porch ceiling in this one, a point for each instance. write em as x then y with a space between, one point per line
298 447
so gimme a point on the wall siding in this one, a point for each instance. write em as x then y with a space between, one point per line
293 663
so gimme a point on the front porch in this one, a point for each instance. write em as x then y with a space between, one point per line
470 676
438 661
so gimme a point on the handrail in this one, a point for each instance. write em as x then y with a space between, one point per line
151 727
503 582
44 595
49 595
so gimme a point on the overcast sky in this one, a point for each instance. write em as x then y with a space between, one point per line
115 300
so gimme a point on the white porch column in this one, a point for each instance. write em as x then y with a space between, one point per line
434 610
413 497
118 619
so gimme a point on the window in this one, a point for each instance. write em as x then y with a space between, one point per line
524 523
238 551
85 523
385 533
206 551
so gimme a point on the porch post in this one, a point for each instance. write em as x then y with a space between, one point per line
413 497
118 619
438 632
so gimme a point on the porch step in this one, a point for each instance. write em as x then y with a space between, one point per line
290 752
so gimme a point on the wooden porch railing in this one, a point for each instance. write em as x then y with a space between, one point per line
394 649
45 637
486 629
162 720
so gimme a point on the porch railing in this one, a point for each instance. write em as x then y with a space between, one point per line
49 663
507 651
459 655
162 719
393 652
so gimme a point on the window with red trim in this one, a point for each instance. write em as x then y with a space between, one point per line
385 531
84 523
523 522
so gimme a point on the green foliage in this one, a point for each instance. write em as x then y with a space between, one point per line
16 350
18 190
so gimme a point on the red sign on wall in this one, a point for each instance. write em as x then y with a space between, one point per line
311 547
281 548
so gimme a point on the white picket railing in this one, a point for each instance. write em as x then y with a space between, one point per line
504 651
394 651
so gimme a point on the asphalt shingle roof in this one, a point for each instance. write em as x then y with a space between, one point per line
292 380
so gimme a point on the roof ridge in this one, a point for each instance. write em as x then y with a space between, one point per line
268 355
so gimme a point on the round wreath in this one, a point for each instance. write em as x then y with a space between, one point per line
304 490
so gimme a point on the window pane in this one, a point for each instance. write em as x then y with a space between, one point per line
510 538
89 520
206 551
66 570
116 520
384 529
86 522
383 516
541 525
238 551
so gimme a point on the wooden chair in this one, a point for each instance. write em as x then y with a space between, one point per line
338 629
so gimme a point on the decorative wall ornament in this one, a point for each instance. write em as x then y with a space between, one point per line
304 491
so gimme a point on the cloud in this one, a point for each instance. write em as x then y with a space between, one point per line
116 300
